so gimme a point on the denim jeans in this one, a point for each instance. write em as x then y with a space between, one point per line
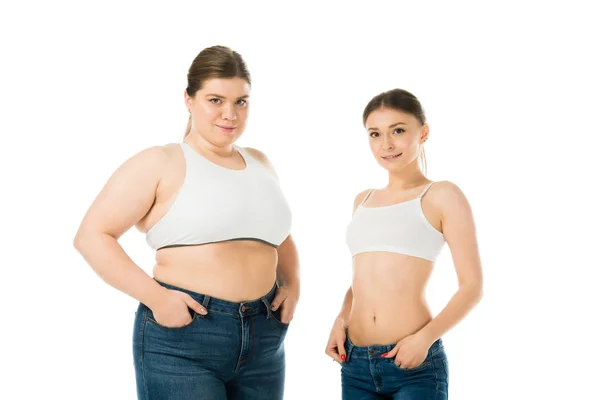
236 351
366 375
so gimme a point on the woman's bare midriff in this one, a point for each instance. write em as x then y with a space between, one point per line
237 270
388 298
234 270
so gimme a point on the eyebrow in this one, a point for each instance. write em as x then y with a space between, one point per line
393 125
221 97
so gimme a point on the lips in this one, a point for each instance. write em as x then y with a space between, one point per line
227 129
390 157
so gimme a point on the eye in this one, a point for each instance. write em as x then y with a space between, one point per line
399 130
374 134
241 102
215 100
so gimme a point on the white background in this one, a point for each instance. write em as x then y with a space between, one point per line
511 92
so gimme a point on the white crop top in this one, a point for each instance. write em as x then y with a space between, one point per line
399 228
217 204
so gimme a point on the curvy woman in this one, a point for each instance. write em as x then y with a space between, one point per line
212 320
385 337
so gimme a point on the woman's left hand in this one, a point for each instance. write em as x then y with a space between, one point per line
286 297
410 352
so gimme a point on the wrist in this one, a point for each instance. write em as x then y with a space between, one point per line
293 284
426 335
155 296
342 321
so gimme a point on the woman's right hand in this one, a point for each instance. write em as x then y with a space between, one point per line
335 345
172 310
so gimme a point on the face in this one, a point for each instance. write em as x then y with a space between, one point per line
396 138
219 110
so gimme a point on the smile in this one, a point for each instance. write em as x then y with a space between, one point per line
227 128
394 156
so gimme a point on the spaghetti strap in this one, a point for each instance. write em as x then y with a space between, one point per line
366 197
425 190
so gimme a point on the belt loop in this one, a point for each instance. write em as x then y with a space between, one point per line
350 346
205 302
349 351
268 305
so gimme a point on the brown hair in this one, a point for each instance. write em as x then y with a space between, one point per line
399 100
214 62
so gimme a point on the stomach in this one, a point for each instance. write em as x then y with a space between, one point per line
237 270
388 297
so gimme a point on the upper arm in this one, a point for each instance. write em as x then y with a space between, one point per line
127 196
262 158
458 227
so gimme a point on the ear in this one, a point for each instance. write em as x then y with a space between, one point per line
424 133
188 100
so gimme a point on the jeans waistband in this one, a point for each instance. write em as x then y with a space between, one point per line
376 351
261 305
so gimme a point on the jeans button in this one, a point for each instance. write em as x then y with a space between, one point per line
243 308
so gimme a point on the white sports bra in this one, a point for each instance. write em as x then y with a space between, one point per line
216 204
399 228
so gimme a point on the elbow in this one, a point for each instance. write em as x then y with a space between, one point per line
81 240
479 294
78 241
475 290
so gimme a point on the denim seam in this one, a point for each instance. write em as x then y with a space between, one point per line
144 319
437 382
445 365
436 351
371 373
250 336
237 367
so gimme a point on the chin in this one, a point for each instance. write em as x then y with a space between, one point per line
223 140
393 168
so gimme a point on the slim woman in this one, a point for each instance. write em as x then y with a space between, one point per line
385 338
212 320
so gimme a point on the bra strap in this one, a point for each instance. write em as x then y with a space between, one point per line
366 197
425 190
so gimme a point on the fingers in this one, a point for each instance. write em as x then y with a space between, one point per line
336 350
341 351
332 352
194 305
279 298
392 353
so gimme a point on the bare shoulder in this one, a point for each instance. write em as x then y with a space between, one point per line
129 193
155 157
260 157
448 196
360 197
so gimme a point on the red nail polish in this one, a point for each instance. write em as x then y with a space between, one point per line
343 356
384 354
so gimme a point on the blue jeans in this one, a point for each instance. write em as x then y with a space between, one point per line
234 352
366 375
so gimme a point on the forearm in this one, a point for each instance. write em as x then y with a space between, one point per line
457 308
108 259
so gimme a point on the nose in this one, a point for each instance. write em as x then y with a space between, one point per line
388 143
228 112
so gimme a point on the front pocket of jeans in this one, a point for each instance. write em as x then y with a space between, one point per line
150 319
277 317
424 365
